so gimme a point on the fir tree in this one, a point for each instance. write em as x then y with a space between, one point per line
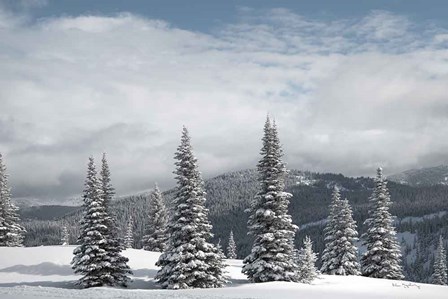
155 237
306 262
119 269
440 275
65 240
340 254
11 232
272 254
91 258
383 257
189 261
231 247
129 238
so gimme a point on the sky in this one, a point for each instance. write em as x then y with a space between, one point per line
352 85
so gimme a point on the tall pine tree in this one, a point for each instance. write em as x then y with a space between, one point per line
383 256
155 237
189 261
440 275
340 254
119 269
231 247
11 232
91 258
272 254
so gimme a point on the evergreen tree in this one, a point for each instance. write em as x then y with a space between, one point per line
91 258
231 247
65 240
11 232
272 254
306 262
155 237
440 275
340 254
383 257
129 238
189 261
119 269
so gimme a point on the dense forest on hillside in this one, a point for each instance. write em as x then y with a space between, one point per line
229 195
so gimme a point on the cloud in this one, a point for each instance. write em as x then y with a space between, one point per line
348 95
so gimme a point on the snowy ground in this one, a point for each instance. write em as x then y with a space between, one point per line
44 272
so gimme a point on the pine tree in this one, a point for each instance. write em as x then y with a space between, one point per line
272 254
189 261
65 240
155 237
340 254
383 256
306 262
91 258
11 232
231 247
129 238
440 275
119 269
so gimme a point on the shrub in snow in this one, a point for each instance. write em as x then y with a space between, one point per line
440 268
383 256
340 254
231 247
272 254
189 261
65 240
306 262
155 237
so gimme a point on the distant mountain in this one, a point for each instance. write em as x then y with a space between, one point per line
429 176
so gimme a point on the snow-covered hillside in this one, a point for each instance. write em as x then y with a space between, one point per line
44 272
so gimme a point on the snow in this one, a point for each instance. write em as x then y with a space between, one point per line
44 272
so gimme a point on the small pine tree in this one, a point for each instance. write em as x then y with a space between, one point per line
11 232
306 262
340 254
91 259
383 256
220 250
272 254
440 275
189 261
129 238
231 247
65 240
155 237
118 268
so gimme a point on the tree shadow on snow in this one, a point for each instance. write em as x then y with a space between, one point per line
40 269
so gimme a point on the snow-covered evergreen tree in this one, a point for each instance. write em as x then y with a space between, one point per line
129 238
383 256
91 259
65 240
272 254
231 247
440 275
340 254
155 237
119 269
189 261
11 232
306 262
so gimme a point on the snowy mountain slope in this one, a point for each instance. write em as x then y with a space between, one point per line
44 272
422 177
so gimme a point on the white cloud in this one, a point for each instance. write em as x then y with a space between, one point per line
348 95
